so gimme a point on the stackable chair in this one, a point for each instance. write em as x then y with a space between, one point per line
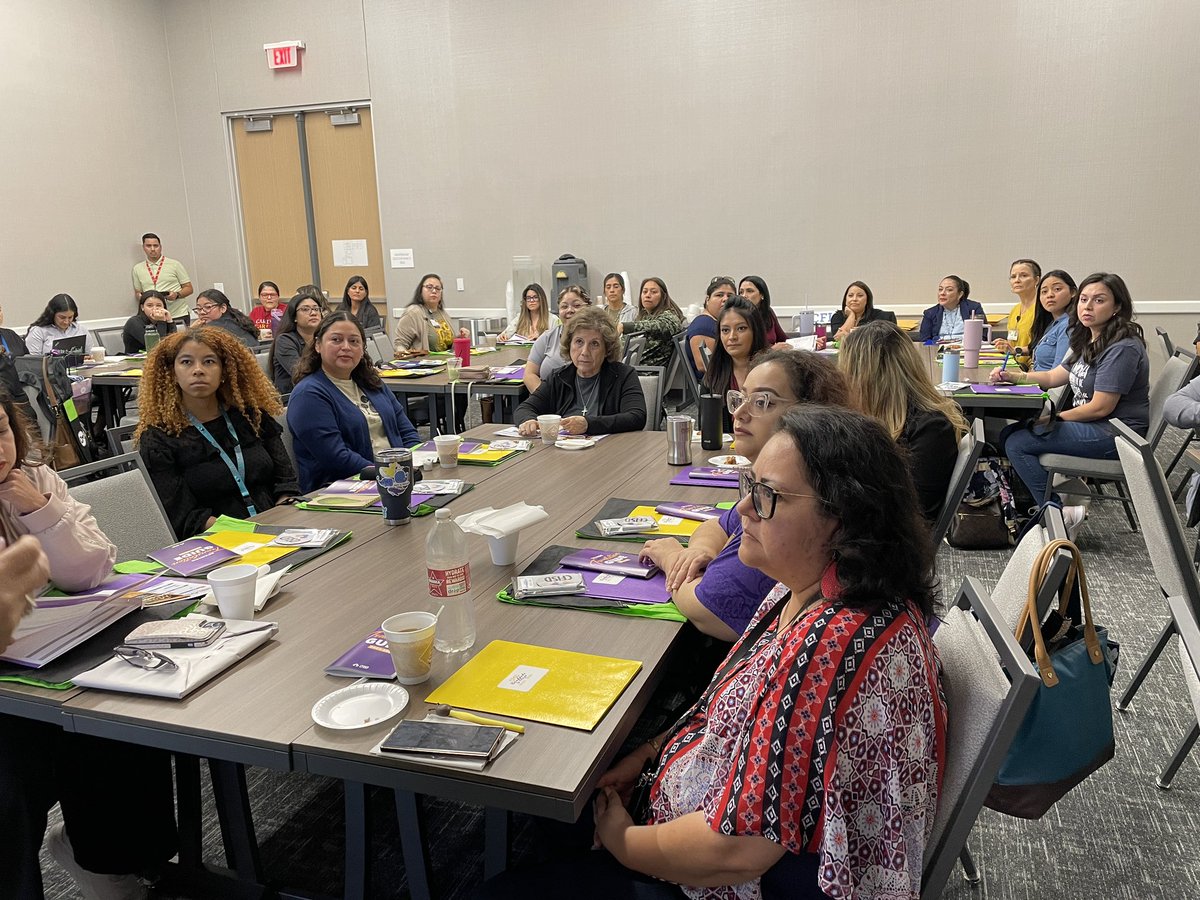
691 390
635 345
1167 547
1012 588
111 339
1175 374
989 684
652 379
125 504
970 446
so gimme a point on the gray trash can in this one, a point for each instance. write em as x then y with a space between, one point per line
567 270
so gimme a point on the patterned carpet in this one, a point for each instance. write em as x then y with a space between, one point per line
1116 836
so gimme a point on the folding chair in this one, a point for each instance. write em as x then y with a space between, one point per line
112 339
1012 588
1183 614
651 378
1175 374
384 351
1167 547
120 439
1168 344
635 345
989 684
287 438
970 446
691 390
125 505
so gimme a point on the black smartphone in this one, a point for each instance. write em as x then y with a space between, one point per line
445 738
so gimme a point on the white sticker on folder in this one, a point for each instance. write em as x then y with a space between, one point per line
607 578
523 678
670 520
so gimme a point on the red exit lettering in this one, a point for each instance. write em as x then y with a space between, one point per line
282 56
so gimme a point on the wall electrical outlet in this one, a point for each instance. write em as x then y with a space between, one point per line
219 286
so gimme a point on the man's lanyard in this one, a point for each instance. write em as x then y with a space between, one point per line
239 471
155 272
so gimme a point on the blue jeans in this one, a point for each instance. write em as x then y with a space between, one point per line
1091 439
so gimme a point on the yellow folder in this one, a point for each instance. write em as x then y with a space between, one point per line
231 540
539 683
685 528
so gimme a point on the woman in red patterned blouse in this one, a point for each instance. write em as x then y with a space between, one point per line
812 765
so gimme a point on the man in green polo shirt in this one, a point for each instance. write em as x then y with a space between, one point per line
168 276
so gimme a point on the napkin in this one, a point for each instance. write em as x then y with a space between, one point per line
492 522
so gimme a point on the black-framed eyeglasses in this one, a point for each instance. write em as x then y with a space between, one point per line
760 401
764 497
203 310
141 658
306 308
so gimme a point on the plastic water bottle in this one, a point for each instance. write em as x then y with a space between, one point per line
449 583
151 337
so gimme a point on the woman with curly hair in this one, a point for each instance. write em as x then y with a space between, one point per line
340 411
207 433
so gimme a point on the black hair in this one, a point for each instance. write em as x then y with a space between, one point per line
866 290
365 375
58 303
287 322
150 234
1042 320
963 285
764 307
149 295
719 375
219 298
417 297
1120 326
616 275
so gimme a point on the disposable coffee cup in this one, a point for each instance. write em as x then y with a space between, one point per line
410 641
549 426
97 354
504 548
233 589
447 449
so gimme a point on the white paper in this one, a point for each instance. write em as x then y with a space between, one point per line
808 342
523 678
402 259
608 578
350 253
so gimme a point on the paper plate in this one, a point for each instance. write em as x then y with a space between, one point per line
360 705
574 443
728 459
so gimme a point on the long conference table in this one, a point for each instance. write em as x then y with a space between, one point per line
259 711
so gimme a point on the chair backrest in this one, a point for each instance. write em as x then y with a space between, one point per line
384 351
1167 342
1160 525
1189 646
706 355
651 378
125 505
1176 373
635 344
120 439
970 445
112 339
989 684
45 424
1012 588
691 390
287 438
263 358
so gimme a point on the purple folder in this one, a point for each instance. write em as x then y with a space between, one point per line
1005 389
631 590
688 476
463 447
614 562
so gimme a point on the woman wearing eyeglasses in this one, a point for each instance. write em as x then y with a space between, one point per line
545 356
534 318
812 765
741 337
889 381
40 763
213 308
708 581
296 330
424 327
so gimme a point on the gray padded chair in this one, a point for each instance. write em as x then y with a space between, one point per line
287 438
970 446
1184 617
1167 547
989 684
125 505
384 351
691 388
1175 374
635 345
1012 588
120 439
652 378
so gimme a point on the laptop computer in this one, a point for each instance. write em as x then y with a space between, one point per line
73 348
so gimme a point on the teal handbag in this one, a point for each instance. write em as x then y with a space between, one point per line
1068 732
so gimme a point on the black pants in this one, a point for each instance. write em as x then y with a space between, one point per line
117 803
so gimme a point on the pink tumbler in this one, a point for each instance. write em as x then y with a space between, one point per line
462 349
972 338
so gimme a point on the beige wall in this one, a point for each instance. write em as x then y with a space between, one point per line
89 153
813 142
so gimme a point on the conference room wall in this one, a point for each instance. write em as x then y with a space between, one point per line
89 153
813 142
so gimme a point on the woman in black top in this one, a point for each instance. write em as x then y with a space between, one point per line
296 330
858 308
207 433
152 310
595 392
213 308
356 300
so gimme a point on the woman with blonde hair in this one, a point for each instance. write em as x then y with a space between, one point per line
888 380
206 430
534 318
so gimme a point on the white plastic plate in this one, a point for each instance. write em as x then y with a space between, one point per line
360 705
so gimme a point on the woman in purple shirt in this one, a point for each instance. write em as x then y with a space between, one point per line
710 585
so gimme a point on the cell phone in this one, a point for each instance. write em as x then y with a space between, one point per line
175 633
443 738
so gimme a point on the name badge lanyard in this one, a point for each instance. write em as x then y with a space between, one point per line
237 471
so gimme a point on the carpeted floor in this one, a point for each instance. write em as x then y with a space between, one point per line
1116 836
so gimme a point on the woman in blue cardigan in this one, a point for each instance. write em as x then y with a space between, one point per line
340 412
944 322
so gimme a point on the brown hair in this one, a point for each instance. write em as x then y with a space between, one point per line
593 319
244 386
813 378
365 375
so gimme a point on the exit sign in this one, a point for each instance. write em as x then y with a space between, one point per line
283 55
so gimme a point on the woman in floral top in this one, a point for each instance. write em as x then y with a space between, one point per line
659 318
812 765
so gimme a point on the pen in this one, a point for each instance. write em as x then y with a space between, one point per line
1004 362
444 710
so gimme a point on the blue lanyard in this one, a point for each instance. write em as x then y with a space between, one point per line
239 471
